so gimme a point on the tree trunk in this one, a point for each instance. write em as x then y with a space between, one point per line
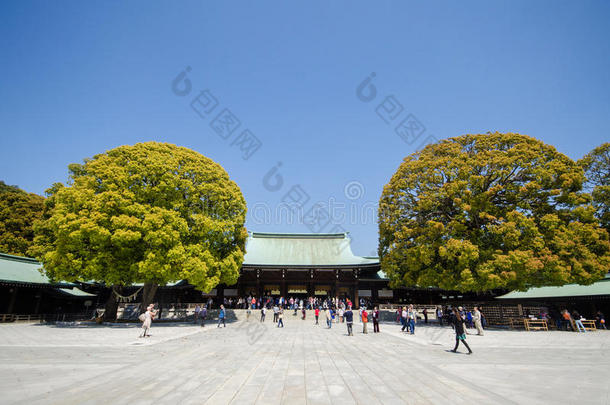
148 295
112 304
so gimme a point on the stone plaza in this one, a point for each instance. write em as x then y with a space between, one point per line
249 362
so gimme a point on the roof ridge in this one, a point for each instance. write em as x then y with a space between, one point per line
14 258
287 235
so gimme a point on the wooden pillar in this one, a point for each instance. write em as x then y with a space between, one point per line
259 287
220 293
11 304
283 287
356 286
38 299
335 290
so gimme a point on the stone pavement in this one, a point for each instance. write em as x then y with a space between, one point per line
250 362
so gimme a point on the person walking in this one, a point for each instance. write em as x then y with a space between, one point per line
469 320
317 314
276 311
477 321
460 336
328 317
341 312
263 313
425 313
203 314
411 317
463 316
375 320
221 317
304 313
280 318
365 321
349 320
196 314
147 318
403 318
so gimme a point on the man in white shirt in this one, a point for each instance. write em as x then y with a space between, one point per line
276 311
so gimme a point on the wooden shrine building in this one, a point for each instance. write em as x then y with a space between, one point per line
304 265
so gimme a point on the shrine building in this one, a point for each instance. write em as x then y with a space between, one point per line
303 265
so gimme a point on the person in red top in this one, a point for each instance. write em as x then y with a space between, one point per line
317 313
365 320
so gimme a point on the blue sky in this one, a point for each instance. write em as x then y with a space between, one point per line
78 78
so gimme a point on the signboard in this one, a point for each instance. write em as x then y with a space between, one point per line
322 290
385 293
272 289
365 293
231 292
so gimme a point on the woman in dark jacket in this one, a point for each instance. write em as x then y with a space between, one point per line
460 335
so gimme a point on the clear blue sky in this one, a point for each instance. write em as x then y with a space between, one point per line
79 78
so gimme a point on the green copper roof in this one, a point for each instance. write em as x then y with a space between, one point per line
76 292
21 270
570 290
302 249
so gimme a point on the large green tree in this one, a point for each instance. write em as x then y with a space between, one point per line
18 211
597 171
479 212
150 213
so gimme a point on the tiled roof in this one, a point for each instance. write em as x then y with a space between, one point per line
21 270
302 249
601 287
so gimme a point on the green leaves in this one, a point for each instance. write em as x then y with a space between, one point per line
597 170
18 212
479 212
151 212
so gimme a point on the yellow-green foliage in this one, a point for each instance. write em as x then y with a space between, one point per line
151 212
597 170
18 211
479 212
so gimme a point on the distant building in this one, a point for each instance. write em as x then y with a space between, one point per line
307 265
25 290
587 299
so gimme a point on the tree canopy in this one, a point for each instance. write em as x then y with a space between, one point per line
597 171
151 212
18 211
479 212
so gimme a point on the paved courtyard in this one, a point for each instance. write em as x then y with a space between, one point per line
249 362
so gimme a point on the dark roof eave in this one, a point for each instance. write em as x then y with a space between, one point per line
36 285
309 266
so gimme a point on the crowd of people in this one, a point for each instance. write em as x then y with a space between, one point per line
339 310
566 320
334 311
286 303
